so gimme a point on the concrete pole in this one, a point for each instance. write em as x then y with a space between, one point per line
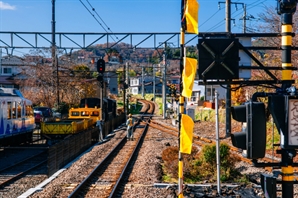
54 55
244 19
228 91
142 81
128 83
164 84
0 61
154 77
124 92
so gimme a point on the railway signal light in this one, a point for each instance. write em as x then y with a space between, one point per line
173 90
286 6
253 137
284 110
101 66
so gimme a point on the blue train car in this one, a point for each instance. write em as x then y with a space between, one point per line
16 118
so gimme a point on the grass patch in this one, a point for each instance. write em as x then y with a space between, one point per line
209 115
135 108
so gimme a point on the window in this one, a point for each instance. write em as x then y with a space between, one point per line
9 113
135 91
209 92
95 113
85 113
7 70
6 86
29 111
75 113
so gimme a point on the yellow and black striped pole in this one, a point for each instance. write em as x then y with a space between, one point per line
286 45
181 99
287 10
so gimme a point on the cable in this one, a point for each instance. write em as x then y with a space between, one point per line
210 18
93 9
95 18
3 52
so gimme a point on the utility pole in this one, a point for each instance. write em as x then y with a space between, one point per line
0 61
153 83
54 55
143 82
164 82
124 90
244 18
228 91
228 15
127 83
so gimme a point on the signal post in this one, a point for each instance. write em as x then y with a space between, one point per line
101 67
283 106
286 8
219 64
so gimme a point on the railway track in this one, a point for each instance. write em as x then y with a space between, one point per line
110 176
16 170
138 182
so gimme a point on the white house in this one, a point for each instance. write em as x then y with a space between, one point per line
136 85
207 92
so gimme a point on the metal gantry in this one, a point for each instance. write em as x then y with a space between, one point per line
69 41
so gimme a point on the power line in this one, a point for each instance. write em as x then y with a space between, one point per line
96 19
93 9
234 14
210 17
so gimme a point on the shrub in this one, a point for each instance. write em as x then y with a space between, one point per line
170 159
207 159
199 166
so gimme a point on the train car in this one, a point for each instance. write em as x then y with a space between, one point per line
64 128
109 106
90 103
80 119
85 113
16 118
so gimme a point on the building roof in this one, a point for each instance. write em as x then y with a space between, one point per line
6 80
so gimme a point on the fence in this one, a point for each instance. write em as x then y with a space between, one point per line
63 152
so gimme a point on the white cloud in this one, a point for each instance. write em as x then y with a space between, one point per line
6 6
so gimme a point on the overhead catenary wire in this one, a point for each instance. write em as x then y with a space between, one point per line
96 18
234 14
93 9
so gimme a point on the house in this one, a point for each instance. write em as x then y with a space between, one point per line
10 66
206 92
136 85
111 78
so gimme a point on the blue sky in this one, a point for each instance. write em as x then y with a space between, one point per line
121 16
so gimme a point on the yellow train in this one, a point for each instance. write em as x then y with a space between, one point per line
79 119
85 113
